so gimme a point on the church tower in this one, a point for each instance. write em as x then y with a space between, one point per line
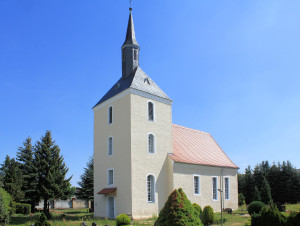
132 140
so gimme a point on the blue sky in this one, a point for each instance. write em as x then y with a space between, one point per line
231 67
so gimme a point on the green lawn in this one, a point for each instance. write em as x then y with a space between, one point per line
293 207
239 217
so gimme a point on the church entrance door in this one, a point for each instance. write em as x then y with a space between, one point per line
111 207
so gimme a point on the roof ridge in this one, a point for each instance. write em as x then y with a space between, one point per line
195 130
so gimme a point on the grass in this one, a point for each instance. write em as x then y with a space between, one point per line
293 207
62 217
74 217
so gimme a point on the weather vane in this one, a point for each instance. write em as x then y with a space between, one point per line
130 2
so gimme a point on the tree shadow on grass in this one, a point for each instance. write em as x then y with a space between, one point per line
23 219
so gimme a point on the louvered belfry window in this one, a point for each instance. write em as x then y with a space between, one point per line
150 111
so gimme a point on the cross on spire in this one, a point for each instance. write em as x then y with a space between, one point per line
130 2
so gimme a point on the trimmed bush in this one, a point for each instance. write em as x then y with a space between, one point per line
42 221
255 219
178 211
123 219
5 209
208 215
197 208
271 217
22 208
255 207
241 198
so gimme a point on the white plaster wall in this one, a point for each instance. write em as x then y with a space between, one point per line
120 161
143 163
183 178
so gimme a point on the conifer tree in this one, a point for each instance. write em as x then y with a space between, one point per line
12 178
266 197
273 177
248 186
52 181
256 196
86 183
178 210
26 158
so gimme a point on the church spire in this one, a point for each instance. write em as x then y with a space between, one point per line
130 49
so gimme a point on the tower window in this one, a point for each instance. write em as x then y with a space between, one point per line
151 143
123 54
151 188
110 146
150 111
110 176
110 115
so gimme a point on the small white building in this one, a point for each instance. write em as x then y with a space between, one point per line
140 157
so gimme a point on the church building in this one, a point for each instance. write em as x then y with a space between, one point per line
140 157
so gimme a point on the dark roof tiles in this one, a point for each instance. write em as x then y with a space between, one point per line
138 80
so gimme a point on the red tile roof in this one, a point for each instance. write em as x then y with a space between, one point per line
107 191
196 147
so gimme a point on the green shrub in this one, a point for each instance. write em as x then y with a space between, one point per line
178 210
241 198
123 219
293 219
22 208
271 217
255 219
198 209
255 207
42 221
208 215
5 209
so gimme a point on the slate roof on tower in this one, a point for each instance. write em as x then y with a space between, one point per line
138 80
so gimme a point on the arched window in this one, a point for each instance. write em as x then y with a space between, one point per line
150 111
151 188
151 143
110 146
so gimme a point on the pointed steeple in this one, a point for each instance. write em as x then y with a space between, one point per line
130 34
130 50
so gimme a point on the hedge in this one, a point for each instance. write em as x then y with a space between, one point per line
22 208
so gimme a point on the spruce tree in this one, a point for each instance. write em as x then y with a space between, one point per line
86 183
248 186
52 181
29 170
273 178
12 178
256 196
266 197
258 176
